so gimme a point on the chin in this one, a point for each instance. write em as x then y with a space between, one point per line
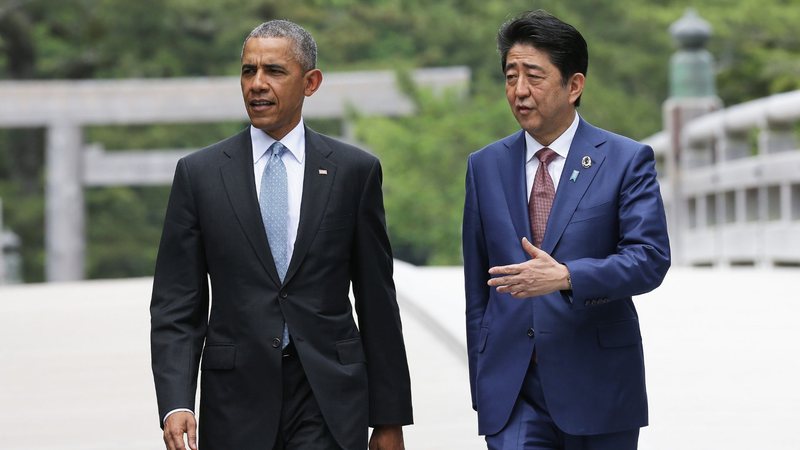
531 124
262 124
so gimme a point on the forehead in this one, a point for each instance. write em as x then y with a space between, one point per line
272 49
522 54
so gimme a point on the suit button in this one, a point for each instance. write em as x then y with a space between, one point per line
276 342
530 332
284 294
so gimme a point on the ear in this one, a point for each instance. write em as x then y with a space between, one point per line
575 86
313 79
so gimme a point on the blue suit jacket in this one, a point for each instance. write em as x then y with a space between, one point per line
608 226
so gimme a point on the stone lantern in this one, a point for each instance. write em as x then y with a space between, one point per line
692 66
692 94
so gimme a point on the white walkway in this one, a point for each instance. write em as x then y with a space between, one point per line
720 345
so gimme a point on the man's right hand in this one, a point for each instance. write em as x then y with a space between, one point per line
176 425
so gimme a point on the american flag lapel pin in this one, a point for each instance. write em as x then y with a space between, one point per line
323 171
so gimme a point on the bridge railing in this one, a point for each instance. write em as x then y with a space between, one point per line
738 184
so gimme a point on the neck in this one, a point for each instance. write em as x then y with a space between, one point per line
548 136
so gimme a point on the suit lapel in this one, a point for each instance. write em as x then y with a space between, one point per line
511 173
318 177
239 181
572 188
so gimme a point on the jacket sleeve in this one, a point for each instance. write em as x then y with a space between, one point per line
476 274
642 256
378 313
179 303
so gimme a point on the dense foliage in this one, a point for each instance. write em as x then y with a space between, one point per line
755 43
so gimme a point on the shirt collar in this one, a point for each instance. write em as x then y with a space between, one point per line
294 141
561 145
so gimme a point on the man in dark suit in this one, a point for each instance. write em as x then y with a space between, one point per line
280 220
563 223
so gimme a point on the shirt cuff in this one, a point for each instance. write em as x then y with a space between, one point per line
174 411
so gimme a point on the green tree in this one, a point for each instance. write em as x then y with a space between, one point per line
755 43
424 162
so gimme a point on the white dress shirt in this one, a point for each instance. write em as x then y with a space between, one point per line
295 160
556 167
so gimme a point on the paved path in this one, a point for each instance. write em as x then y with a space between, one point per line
75 367
721 350
443 413
720 347
75 371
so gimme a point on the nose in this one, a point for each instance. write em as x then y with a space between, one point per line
260 81
522 89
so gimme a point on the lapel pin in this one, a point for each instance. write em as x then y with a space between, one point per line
323 171
574 176
586 162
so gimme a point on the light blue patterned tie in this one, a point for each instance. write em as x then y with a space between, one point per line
274 203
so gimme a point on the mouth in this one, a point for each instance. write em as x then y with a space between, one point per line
522 109
260 104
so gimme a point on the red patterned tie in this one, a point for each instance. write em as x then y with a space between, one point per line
542 194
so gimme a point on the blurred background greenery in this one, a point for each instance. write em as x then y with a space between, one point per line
755 42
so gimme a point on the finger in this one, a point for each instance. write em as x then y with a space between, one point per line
514 291
168 440
177 441
530 248
192 433
511 269
510 289
494 282
175 434
504 289
503 281
536 253
173 439
520 294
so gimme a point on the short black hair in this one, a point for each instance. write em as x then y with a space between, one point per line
561 41
304 46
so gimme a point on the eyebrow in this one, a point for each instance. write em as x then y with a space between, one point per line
526 65
271 67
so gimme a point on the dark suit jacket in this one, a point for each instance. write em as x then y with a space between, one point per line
608 227
213 232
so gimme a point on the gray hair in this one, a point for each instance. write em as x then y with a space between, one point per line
305 48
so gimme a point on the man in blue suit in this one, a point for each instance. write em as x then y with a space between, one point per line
563 224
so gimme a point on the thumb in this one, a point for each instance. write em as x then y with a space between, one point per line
191 433
530 248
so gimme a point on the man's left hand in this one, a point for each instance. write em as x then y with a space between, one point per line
538 276
387 437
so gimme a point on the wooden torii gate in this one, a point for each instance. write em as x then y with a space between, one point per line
64 108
